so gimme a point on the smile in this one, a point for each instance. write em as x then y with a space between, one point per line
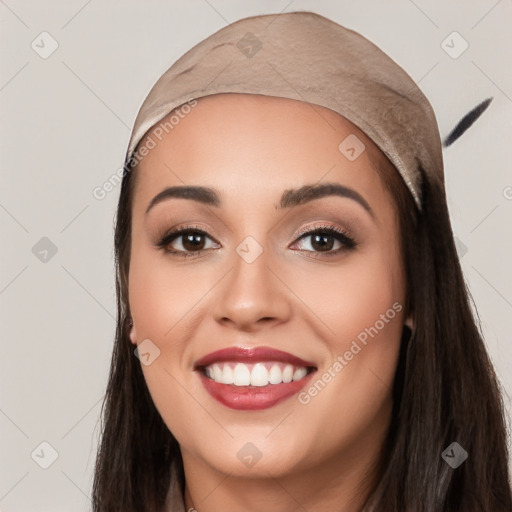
255 378
259 374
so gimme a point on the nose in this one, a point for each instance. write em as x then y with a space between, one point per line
252 296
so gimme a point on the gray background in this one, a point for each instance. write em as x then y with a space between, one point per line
65 124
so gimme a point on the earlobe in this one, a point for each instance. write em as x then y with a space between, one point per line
409 322
133 333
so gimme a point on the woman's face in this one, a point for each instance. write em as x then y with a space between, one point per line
331 304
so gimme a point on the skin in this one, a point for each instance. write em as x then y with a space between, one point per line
293 297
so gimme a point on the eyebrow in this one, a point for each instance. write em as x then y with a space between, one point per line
289 198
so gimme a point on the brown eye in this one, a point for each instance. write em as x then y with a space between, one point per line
192 241
319 241
323 239
185 241
322 242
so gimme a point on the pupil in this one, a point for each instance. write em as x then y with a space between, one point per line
194 240
323 246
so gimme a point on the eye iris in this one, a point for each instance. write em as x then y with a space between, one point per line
319 242
194 239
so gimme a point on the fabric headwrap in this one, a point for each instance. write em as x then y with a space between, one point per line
307 57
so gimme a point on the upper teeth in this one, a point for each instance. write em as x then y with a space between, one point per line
259 374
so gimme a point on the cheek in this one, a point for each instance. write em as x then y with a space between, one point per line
363 306
162 296
352 297
148 299
162 303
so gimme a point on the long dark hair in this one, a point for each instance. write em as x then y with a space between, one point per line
445 387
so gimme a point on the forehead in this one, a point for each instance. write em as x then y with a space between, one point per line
249 144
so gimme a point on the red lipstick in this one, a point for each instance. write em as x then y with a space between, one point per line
251 355
254 397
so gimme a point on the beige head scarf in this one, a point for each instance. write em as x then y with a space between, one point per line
307 57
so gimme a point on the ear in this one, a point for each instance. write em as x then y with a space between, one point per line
409 322
133 335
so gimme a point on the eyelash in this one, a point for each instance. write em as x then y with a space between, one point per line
348 242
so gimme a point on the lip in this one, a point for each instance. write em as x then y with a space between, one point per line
252 397
251 355
249 398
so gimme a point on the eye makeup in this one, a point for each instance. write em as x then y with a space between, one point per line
192 234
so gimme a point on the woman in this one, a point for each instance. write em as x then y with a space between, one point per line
294 331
